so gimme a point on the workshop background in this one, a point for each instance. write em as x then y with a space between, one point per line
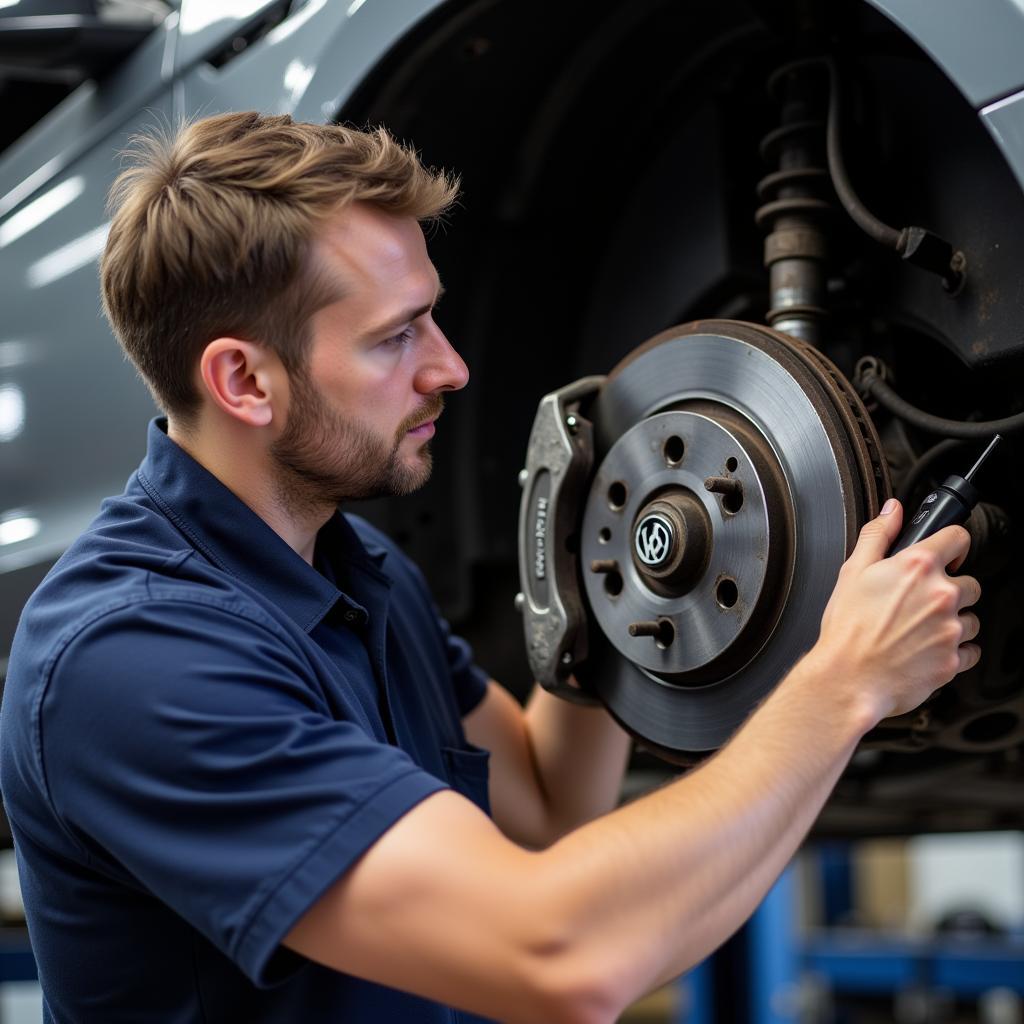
831 190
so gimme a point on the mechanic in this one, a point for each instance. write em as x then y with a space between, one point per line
244 759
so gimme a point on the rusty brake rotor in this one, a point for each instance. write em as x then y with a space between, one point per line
729 468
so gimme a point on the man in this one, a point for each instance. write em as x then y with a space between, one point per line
244 760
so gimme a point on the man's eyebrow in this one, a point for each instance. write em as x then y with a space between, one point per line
406 316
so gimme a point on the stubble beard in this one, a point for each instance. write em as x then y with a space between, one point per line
324 460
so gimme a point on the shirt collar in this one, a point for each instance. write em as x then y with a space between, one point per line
232 536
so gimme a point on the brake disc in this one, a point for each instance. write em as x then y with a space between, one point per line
683 523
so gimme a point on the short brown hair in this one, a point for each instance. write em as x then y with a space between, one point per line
212 235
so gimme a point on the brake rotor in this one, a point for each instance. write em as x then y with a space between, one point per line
732 467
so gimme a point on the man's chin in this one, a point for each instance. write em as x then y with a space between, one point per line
408 476
419 474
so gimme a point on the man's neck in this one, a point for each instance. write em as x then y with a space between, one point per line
241 463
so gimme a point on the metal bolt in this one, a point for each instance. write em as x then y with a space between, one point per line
520 602
662 630
731 491
953 279
604 565
724 485
645 628
524 475
572 423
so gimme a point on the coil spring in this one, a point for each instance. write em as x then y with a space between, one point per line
792 206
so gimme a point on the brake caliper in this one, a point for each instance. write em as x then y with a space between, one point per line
559 460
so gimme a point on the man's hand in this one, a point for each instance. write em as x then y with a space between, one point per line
895 629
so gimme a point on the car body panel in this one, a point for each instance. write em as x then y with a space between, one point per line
77 394
1005 120
205 28
306 66
87 118
978 45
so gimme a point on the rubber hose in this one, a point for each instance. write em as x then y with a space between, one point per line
923 464
874 386
861 215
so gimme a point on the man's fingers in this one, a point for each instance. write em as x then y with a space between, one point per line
878 535
970 591
969 656
970 625
950 544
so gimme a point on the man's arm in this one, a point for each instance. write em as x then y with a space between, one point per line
443 905
554 765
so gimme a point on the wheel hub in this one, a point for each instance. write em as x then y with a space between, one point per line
683 554
671 542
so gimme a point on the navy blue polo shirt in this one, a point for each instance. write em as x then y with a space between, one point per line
200 733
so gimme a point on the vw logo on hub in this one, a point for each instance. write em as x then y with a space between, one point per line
653 539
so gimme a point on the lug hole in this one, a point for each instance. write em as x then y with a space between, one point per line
731 464
604 535
732 503
726 593
673 449
617 495
613 584
666 634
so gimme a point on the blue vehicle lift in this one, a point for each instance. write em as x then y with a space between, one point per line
775 955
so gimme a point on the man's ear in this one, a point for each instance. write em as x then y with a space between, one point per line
243 379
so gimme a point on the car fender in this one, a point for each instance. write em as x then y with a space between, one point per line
306 66
979 48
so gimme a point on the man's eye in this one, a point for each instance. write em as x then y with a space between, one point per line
400 339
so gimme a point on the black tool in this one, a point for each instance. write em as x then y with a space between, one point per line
950 504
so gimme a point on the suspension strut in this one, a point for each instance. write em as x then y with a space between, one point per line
793 205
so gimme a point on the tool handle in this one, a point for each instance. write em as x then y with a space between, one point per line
943 507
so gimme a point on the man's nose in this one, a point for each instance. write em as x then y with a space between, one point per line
443 369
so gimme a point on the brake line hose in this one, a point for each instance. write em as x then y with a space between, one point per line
914 244
924 464
861 215
869 382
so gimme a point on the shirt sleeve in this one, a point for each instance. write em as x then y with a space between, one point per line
190 749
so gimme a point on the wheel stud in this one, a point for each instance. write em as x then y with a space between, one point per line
730 489
644 628
724 485
661 629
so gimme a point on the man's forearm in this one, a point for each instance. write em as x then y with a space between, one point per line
672 875
580 756
578 931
